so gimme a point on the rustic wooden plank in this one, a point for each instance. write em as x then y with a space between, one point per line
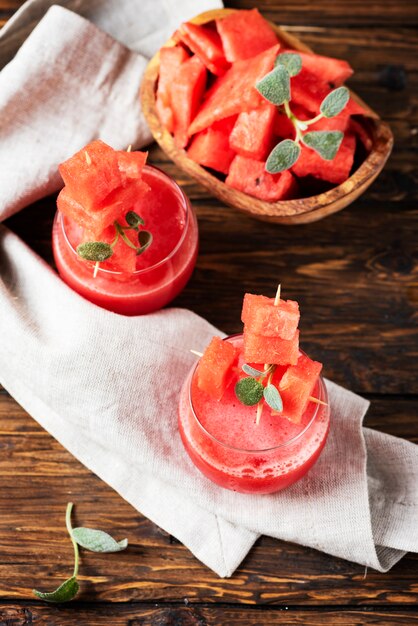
38 476
141 615
328 12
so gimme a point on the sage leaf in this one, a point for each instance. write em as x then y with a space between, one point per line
64 593
97 540
325 142
94 251
275 86
335 102
273 398
283 156
249 391
251 371
133 219
145 240
292 61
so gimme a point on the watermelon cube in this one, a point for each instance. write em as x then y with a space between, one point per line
91 174
205 42
117 204
260 349
325 69
131 165
250 176
235 91
335 171
186 93
297 385
262 317
214 371
252 134
170 60
245 34
211 148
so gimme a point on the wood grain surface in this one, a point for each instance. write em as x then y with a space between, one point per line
356 277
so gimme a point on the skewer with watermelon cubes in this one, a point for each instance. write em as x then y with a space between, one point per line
271 338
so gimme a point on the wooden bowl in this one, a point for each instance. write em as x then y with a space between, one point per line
298 211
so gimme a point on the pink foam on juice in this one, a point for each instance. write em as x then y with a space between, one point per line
224 442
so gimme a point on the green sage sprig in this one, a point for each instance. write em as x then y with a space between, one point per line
251 390
99 251
90 539
276 88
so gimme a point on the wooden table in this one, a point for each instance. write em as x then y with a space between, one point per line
355 275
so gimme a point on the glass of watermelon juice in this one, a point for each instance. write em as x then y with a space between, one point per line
226 445
162 272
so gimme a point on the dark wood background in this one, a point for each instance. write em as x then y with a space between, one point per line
355 275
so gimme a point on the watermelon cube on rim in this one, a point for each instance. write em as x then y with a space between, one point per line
117 204
260 349
251 177
91 174
214 371
211 147
245 34
297 385
206 44
262 316
235 91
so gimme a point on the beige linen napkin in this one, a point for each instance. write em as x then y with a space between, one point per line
106 386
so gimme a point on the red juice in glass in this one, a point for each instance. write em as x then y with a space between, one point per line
229 448
161 272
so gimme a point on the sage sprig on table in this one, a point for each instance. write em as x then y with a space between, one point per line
276 88
99 251
90 539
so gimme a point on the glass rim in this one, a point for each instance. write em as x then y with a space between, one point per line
188 208
323 395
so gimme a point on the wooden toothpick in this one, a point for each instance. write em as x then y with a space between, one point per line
88 158
199 354
129 148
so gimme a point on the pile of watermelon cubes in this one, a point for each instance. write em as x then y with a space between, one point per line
271 336
101 186
206 98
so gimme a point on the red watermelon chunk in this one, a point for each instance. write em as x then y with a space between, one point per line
117 204
91 174
186 93
297 385
235 91
309 93
211 148
245 34
262 317
335 171
206 44
260 349
170 60
250 176
253 132
131 165
214 371
325 69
